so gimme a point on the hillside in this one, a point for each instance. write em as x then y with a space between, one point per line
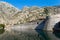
11 15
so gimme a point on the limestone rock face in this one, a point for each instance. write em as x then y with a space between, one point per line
54 18
11 15
53 10
7 11
52 21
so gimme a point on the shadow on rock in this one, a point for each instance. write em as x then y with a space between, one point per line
42 24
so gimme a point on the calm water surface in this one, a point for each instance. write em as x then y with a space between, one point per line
29 35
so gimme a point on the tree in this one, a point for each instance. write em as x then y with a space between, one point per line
46 11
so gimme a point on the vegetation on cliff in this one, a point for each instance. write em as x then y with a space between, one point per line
11 15
2 26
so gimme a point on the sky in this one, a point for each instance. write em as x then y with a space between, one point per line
40 3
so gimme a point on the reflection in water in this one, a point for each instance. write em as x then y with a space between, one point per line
27 35
56 30
43 34
57 33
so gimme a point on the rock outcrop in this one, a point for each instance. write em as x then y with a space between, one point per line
54 18
11 15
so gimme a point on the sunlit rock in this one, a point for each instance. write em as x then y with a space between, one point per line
11 15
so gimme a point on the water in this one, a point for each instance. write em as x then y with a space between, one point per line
29 35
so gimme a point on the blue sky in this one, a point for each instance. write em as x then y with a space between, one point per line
21 3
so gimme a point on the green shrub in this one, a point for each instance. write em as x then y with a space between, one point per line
46 11
2 25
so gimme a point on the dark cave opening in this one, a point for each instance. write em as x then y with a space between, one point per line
56 27
56 30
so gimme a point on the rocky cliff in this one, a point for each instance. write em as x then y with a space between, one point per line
53 19
12 15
